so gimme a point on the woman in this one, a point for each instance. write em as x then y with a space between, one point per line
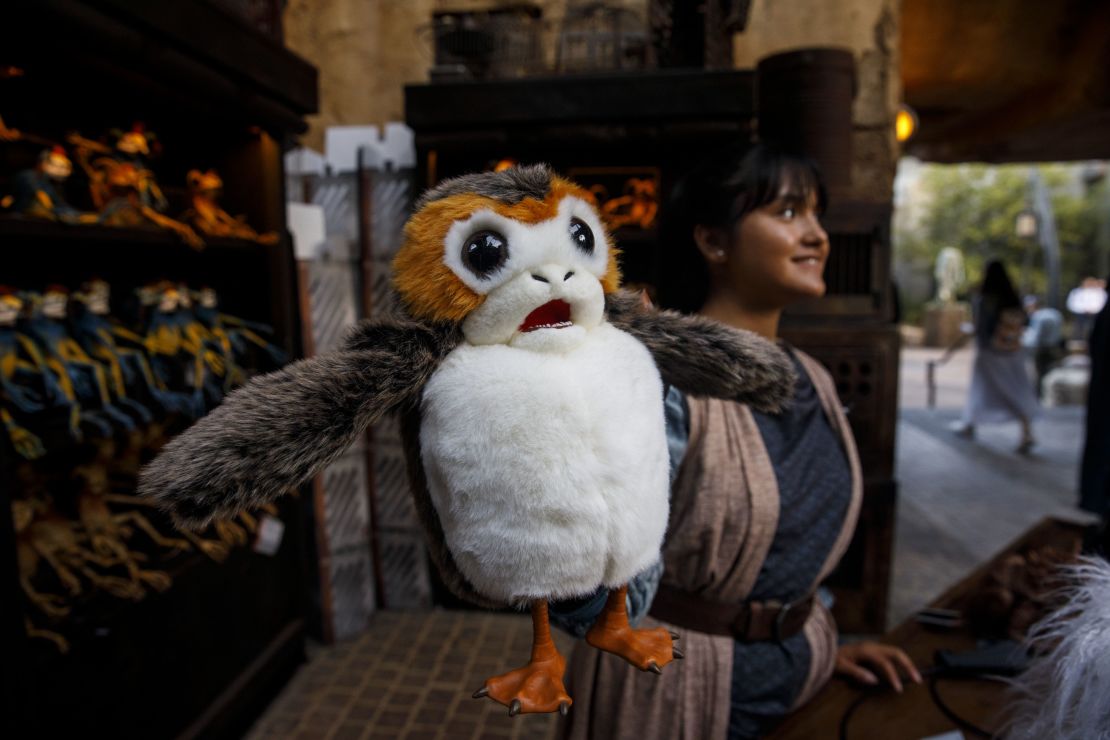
1001 389
762 506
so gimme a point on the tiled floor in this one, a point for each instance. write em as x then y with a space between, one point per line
411 674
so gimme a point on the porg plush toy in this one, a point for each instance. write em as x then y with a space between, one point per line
531 397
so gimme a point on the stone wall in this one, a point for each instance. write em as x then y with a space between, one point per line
367 51
869 28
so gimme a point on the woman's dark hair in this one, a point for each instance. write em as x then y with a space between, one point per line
718 194
996 294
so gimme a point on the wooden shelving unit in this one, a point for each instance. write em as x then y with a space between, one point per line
202 658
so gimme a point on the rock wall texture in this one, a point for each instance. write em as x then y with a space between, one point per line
870 29
367 51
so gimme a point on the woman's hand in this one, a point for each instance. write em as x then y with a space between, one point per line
886 660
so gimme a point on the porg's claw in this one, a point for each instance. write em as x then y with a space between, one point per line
563 708
484 691
674 635
654 668
678 653
514 708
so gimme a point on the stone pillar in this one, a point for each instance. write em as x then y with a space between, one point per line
867 28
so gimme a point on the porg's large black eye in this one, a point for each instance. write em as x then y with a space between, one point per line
582 236
484 252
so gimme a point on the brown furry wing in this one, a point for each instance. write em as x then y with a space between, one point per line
702 357
271 435
429 520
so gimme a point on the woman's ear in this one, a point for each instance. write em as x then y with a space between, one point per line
712 243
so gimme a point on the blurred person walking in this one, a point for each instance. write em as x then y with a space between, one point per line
1043 339
1000 390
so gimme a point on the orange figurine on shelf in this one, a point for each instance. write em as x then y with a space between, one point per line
206 215
123 188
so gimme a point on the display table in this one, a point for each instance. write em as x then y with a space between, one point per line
914 713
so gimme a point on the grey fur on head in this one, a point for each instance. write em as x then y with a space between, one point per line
280 429
509 186
702 357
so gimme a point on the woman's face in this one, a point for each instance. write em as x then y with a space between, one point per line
776 254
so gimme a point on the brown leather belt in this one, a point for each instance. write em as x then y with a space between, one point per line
748 621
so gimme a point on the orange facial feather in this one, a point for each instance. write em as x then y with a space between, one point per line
427 286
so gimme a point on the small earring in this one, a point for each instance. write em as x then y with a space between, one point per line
720 253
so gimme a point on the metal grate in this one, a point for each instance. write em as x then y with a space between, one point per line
848 271
333 288
346 509
390 205
338 195
336 279
352 583
855 376
334 297
405 571
395 505
383 299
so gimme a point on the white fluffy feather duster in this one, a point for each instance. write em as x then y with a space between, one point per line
1065 693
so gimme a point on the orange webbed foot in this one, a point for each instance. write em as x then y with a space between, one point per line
647 649
538 686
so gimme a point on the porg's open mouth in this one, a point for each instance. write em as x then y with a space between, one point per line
551 315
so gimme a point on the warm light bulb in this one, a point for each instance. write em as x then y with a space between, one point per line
905 123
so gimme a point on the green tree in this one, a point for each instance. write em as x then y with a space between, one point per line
974 207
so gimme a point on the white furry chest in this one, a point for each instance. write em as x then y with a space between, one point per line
548 472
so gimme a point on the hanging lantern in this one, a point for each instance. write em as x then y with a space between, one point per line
905 123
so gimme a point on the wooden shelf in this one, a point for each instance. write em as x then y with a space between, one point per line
193 56
202 658
17 230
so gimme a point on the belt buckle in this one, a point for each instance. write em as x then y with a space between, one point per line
780 620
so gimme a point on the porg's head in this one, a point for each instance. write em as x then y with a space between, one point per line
518 257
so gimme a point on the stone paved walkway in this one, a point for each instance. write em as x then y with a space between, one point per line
410 676
960 501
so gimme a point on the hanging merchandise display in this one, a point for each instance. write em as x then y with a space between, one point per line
244 342
500 374
121 350
31 391
80 530
46 325
106 353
